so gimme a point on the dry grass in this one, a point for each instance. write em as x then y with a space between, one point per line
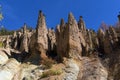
1 44
51 73
47 63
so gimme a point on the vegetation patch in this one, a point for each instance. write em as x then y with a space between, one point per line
51 73
48 63
1 44
4 31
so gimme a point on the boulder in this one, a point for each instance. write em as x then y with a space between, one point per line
8 70
3 57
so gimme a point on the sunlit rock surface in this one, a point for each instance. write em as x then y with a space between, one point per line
70 52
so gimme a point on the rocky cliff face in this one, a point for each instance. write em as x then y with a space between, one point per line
41 35
71 52
39 40
24 41
68 40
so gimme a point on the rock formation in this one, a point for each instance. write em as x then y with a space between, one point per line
41 35
68 35
7 41
14 42
38 46
71 52
92 69
81 25
24 41
51 42
114 36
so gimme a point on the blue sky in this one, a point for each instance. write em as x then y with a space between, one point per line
18 12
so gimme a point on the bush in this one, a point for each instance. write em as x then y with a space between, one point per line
51 73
